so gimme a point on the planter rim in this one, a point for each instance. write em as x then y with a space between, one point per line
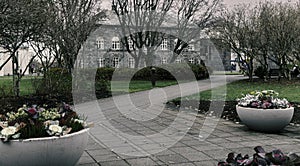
264 109
50 138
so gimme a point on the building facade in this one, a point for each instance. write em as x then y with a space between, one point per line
25 54
105 49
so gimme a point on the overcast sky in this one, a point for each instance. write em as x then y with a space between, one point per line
229 3
235 2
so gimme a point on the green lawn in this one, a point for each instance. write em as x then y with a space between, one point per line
6 85
135 86
27 87
286 89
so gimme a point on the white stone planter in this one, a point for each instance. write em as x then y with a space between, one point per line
57 151
267 120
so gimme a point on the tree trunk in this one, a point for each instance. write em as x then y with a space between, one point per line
250 70
16 74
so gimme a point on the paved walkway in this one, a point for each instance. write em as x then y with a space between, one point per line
137 129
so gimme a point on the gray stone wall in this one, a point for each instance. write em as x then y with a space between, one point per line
91 56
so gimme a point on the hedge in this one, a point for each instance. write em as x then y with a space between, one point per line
58 81
165 72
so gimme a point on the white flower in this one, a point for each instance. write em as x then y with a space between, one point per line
11 130
79 121
82 122
55 129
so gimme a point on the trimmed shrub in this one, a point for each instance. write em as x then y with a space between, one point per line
172 72
260 72
56 81
104 73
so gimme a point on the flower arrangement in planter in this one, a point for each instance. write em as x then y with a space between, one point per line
264 111
36 122
43 136
266 99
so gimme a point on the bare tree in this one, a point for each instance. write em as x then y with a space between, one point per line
69 24
296 50
193 16
140 21
237 31
283 34
21 22
45 55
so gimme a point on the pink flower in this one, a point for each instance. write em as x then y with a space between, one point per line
32 111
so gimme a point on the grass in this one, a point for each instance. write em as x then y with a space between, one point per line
137 85
27 87
286 89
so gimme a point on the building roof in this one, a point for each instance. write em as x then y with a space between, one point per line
170 21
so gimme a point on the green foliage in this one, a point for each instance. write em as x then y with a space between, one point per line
68 120
260 72
75 127
164 72
102 88
33 131
172 72
104 73
56 81
6 90
200 71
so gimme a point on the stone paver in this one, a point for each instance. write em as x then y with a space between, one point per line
167 137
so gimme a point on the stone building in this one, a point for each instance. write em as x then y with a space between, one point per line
104 48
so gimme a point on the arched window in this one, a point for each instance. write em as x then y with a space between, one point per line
100 43
115 43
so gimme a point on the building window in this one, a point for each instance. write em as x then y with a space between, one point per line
191 46
130 44
116 62
191 60
175 42
131 63
178 60
100 43
115 43
101 62
164 44
208 52
81 64
164 60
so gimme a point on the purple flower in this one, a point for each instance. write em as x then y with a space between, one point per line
266 104
255 104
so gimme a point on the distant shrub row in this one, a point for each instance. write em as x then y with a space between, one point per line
164 72
57 81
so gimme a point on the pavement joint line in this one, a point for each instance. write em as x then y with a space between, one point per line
136 147
234 130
